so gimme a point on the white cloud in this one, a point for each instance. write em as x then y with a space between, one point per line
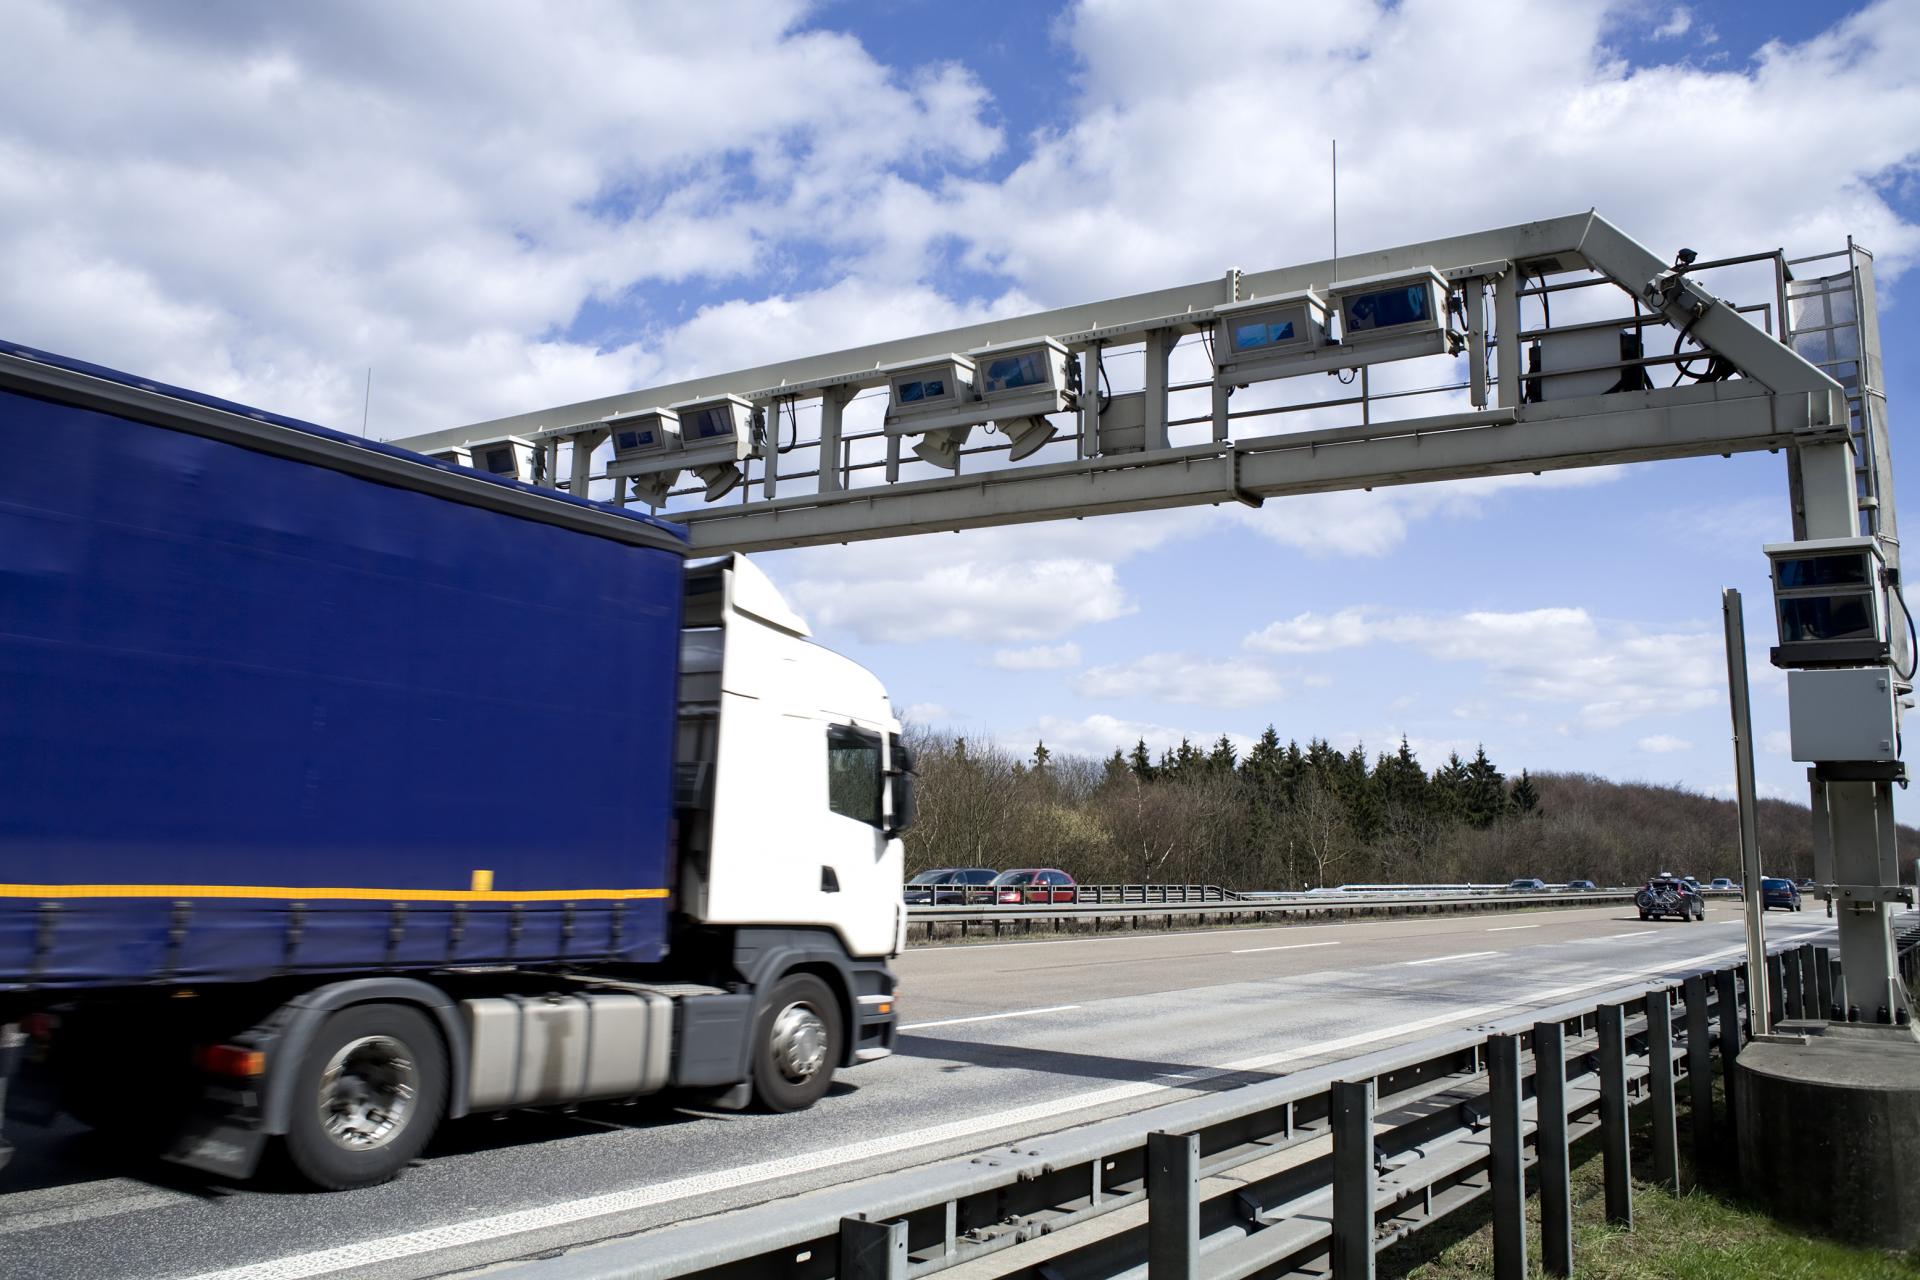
1314 633
1777 742
1662 744
967 600
1678 23
1040 657
1177 678
925 713
1612 671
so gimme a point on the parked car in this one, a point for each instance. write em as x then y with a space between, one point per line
1669 895
1581 886
1527 886
1807 884
1034 884
1721 882
1776 891
950 887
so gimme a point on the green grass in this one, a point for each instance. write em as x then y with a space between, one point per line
1707 1233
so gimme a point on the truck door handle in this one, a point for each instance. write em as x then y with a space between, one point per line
829 882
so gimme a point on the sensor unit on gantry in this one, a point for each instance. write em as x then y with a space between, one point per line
716 436
510 459
1019 384
1830 601
1408 304
934 399
646 450
1267 337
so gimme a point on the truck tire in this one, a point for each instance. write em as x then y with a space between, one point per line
797 1040
367 1096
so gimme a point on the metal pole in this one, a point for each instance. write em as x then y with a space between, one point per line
1736 627
1350 1114
1173 1206
1666 1139
1506 1158
1550 1147
872 1250
1611 1023
1728 998
1699 1069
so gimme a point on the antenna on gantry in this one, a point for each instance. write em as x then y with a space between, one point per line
1335 275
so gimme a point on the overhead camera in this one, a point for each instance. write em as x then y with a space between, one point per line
710 438
1013 385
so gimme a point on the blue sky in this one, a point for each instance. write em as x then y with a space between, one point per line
540 205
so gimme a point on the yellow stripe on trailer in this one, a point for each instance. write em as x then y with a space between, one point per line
301 894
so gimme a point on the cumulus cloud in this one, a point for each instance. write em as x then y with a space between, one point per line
1178 678
1039 657
968 600
1612 672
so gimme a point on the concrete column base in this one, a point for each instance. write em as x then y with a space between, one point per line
1830 1131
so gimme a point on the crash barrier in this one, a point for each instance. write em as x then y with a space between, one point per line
987 894
931 924
1328 1166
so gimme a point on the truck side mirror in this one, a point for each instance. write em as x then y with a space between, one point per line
906 800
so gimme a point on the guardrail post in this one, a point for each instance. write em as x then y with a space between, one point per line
1506 1158
1823 983
1173 1206
1666 1137
1611 1023
1550 1147
1776 986
1727 991
1811 1004
1350 1116
1700 1068
872 1250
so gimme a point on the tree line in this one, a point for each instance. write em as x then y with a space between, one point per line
1287 817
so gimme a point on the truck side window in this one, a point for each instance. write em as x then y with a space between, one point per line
853 774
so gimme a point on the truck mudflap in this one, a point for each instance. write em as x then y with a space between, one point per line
12 1044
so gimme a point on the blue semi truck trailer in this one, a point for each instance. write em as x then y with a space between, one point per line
344 791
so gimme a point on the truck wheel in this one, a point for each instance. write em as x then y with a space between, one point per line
797 1041
367 1096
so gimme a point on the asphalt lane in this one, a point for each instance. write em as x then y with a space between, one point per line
1000 1041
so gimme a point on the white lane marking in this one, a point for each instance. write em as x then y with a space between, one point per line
1464 955
1509 928
989 1017
1638 933
1291 946
482 1230
80 1202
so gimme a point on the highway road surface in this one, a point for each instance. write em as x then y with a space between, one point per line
1001 1041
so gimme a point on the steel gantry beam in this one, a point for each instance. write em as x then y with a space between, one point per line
1767 397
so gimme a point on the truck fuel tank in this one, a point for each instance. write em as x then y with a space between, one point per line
567 1047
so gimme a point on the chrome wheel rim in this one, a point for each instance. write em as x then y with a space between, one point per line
367 1093
799 1042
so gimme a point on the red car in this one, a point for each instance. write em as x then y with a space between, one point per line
1033 884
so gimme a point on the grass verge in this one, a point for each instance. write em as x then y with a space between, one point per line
1706 1233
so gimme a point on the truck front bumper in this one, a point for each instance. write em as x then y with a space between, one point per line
875 1027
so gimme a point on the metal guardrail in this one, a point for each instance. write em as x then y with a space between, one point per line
1331 1165
996 920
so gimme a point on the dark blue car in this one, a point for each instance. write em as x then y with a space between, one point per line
1778 892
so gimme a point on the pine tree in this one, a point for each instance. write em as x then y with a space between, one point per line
1223 758
1525 796
1141 762
1484 796
1041 757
